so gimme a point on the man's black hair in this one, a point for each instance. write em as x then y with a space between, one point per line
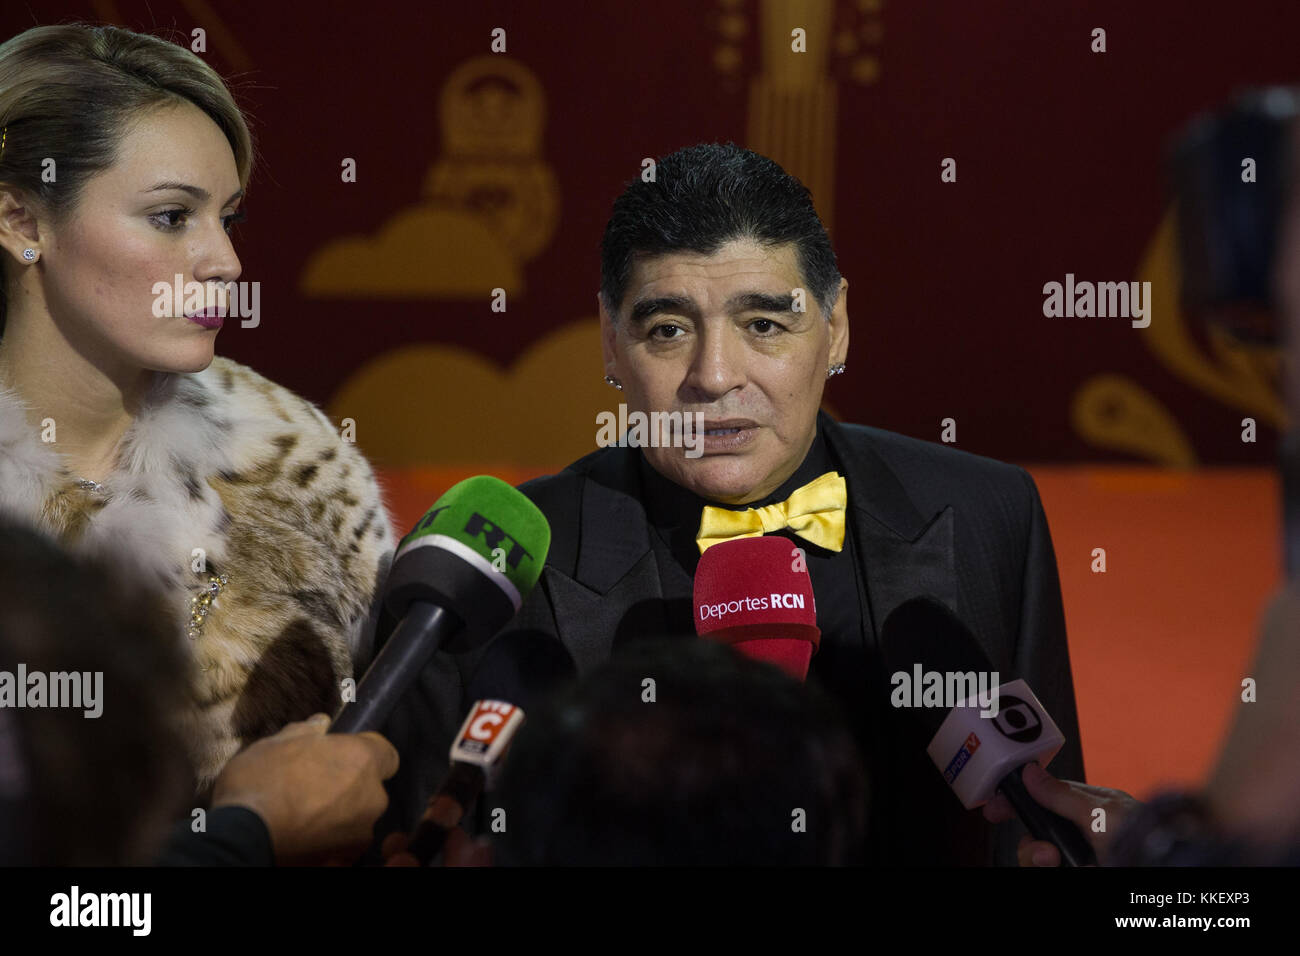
725 766
707 195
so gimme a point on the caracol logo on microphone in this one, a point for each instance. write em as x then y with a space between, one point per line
486 734
768 602
484 724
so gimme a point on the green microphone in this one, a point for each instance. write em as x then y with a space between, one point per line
456 579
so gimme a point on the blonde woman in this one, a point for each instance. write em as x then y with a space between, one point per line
123 162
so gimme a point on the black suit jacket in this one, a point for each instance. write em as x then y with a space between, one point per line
928 519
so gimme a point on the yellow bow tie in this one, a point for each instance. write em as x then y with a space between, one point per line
814 512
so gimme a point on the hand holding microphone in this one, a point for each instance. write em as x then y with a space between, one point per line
1077 802
979 754
318 795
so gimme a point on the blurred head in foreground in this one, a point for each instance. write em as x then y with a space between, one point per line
683 753
76 789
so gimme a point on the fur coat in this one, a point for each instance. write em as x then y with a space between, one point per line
224 473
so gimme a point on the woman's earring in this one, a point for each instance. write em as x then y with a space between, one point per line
29 255
611 380
835 370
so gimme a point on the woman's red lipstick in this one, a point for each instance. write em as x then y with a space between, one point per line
209 318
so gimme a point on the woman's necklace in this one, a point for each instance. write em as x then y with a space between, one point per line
201 603
89 485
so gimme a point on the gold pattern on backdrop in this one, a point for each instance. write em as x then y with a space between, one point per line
1244 377
792 102
491 201
1112 411
856 36
732 27
539 412
492 153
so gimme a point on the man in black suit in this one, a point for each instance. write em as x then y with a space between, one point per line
720 297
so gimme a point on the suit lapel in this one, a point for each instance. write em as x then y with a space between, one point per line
613 591
905 553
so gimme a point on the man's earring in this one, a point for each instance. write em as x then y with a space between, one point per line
611 380
835 370
30 255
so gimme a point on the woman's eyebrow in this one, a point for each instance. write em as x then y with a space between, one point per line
198 192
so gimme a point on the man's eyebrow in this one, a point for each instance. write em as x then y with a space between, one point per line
760 302
198 192
643 309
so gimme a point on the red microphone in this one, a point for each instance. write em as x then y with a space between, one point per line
756 595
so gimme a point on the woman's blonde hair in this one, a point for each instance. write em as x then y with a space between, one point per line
69 92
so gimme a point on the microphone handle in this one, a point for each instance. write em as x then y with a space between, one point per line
446 809
413 642
1046 825
427 841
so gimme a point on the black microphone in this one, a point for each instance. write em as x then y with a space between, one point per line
517 671
977 751
459 577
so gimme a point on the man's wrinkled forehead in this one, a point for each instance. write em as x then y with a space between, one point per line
741 275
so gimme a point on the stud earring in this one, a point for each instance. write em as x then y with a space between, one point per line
835 370
29 255
611 380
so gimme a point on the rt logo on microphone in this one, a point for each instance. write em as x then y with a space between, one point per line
493 535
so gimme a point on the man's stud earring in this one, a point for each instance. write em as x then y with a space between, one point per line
611 380
29 255
835 370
